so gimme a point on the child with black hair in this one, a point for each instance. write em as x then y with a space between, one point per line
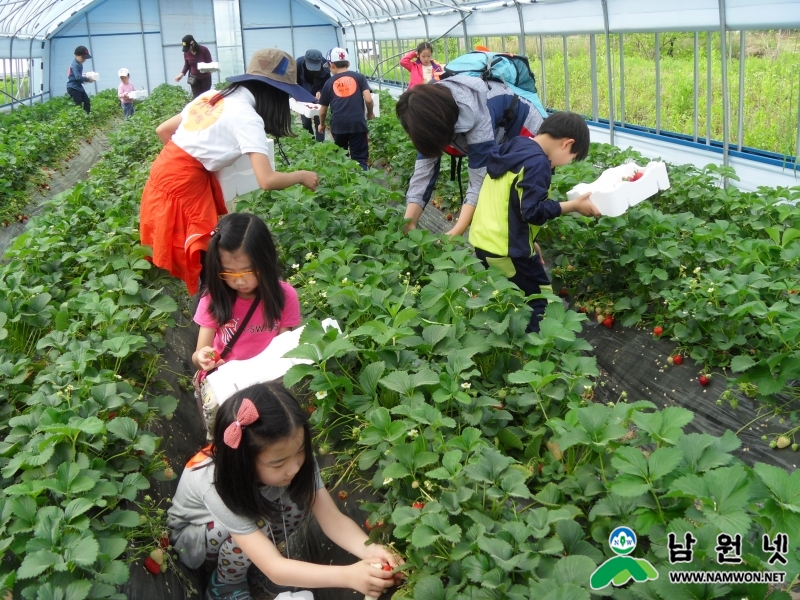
348 94
238 500
421 67
513 202
241 268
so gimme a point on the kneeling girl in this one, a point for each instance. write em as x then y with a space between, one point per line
257 484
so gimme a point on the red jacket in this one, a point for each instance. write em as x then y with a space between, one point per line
412 64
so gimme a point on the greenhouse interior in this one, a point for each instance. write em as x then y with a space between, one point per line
451 389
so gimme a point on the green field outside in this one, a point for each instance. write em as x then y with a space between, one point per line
771 84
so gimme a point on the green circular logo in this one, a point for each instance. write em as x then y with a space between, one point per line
622 540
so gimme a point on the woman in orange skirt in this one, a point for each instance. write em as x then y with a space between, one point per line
182 199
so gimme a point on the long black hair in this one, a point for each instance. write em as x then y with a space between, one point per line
235 476
248 233
272 105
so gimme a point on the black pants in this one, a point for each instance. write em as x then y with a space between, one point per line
357 145
81 98
203 85
312 127
528 274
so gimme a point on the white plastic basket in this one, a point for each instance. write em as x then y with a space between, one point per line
92 74
209 67
138 94
612 194
239 178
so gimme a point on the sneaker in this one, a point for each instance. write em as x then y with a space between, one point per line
227 591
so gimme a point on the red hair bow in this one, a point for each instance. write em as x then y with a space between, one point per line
247 414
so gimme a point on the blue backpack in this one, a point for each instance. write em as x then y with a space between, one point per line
511 69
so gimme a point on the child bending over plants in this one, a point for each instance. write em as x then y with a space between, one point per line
513 203
257 483
182 199
243 303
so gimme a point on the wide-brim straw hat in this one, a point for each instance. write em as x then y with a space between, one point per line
276 68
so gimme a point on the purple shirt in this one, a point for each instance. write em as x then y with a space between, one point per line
191 60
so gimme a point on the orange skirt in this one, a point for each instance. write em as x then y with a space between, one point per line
181 205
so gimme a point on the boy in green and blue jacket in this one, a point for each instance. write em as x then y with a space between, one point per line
513 202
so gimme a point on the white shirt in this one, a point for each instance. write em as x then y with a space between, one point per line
427 73
218 135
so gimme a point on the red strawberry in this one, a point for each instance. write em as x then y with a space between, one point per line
564 292
5 223
164 542
418 505
152 566
582 309
343 495
387 568
212 355
111 415
637 176
449 217
311 409
608 321
368 525
658 330
677 359
704 380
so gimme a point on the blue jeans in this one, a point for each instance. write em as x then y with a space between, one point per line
127 109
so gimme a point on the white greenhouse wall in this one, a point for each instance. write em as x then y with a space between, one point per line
285 24
144 36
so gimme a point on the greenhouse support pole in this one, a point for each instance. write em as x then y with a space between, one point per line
89 35
797 147
593 54
621 80
241 28
658 82
522 48
10 53
30 72
161 35
610 75
291 27
216 42
740 128
566 73
144 46
544 72
709 50
726 106
696 80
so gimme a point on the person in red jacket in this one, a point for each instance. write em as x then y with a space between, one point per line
419 63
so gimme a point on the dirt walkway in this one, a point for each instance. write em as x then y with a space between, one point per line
75 171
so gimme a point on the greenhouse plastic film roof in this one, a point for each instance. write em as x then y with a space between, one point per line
39 19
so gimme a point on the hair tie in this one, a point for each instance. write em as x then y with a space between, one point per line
215 231
233 433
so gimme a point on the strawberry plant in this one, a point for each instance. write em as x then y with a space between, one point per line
496 475
80 318
33 138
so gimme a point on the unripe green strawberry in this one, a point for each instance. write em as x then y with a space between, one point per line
158 556
783 442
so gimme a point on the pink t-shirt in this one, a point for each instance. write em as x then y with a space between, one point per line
256 337
123 89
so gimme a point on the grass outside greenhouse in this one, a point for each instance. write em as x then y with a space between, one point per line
772 80
497 476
